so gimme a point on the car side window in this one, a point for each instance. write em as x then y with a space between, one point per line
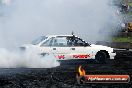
48 42
60 41
75 41
79 42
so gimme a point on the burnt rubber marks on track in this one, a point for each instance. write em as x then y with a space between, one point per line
63 76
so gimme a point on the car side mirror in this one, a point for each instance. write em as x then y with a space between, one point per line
86 44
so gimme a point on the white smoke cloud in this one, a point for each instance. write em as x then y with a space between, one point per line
28 59
6 2
24 20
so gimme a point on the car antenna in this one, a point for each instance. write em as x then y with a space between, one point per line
72 33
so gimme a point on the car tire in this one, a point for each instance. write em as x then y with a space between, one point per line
100 57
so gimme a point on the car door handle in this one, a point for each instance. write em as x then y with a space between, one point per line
72 48
54 48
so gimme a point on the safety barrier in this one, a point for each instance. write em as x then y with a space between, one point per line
120 45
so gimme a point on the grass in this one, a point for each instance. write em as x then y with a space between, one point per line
129 13
122 39
130 3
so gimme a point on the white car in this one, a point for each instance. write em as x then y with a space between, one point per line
70 47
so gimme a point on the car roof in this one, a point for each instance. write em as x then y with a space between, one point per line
59 35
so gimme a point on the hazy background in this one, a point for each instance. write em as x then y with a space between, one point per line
21 21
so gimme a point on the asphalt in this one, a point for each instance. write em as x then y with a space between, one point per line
64 76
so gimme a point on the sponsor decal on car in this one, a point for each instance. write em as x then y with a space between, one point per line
61 56
81 56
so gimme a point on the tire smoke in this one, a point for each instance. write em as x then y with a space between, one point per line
27 59
24 20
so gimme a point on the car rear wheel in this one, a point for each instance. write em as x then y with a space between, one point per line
100 57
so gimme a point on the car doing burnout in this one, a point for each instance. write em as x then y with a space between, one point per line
70 47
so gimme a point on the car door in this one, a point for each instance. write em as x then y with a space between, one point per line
79 49
59 48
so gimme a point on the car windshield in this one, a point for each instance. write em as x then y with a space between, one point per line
38 40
